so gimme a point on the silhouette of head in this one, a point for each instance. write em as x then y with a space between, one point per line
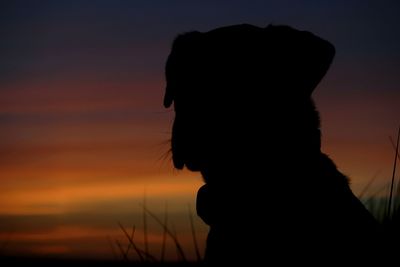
242 91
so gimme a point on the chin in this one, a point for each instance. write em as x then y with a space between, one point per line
193 166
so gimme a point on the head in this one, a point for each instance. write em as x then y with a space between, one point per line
243 91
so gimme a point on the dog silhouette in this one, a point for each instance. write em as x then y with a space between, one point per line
245 119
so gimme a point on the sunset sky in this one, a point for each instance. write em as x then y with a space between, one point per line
84 135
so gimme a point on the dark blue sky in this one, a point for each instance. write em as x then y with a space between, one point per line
133 37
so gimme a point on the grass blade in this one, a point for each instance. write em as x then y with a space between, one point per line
394 147
366 188
122 250
164 241
146 244
172 235
131 242
196 247
114 252
132 236
393 174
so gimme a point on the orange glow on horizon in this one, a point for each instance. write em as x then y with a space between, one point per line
61 198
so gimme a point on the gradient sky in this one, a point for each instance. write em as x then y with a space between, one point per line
83 133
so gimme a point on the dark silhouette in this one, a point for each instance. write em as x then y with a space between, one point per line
245 119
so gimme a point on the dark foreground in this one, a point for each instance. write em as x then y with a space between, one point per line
28 262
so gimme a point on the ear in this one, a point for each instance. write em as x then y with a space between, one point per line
315 56
306 56
182 48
